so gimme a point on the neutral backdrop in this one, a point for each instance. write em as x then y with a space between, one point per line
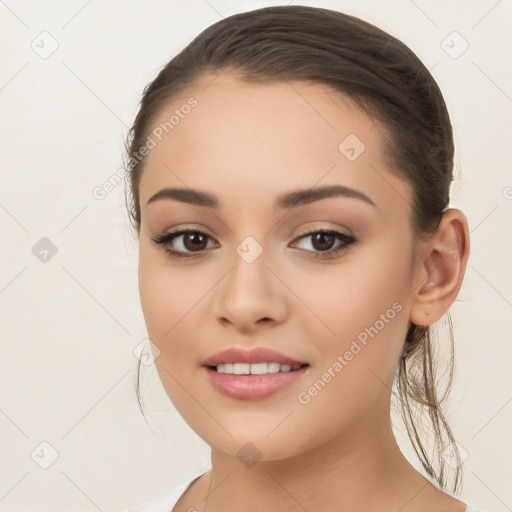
71 434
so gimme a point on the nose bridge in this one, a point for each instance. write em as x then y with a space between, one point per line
249 277
249 292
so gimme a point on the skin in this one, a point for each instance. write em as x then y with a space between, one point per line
247 144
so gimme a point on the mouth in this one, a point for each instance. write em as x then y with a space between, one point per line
255 368
252 374
256 381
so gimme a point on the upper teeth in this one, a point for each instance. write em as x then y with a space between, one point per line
255 368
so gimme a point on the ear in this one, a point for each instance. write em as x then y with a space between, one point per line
443 260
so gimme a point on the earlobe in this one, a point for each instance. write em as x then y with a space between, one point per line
445 257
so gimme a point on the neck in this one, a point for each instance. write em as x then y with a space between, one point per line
362 469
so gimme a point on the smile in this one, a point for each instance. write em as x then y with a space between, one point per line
253 386
255 368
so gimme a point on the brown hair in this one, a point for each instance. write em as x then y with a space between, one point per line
384 78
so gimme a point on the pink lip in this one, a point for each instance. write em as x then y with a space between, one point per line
253 387
255 355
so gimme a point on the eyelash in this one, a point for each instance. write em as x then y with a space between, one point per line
347 240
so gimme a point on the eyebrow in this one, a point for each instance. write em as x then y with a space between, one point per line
284 201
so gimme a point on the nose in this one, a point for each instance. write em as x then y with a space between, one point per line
250 296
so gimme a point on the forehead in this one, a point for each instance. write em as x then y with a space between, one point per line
253 137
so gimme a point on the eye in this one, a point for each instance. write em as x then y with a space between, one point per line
322 243
184 243
189 243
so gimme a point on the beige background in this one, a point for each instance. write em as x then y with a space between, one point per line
70 324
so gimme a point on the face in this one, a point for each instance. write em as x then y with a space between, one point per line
323 279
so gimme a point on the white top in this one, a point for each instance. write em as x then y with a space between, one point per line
166 502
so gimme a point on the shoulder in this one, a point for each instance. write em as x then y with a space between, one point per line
166 502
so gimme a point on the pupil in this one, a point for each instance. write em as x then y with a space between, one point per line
325 241
195 241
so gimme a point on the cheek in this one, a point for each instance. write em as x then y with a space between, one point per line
361 315
166 295
351 296
168 298
358 360
173 302
160 303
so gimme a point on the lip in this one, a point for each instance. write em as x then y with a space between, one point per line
253 387
255 355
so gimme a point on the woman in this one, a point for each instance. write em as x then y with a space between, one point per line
289 177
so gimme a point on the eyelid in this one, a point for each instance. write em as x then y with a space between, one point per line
188 227
313 227
185 228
